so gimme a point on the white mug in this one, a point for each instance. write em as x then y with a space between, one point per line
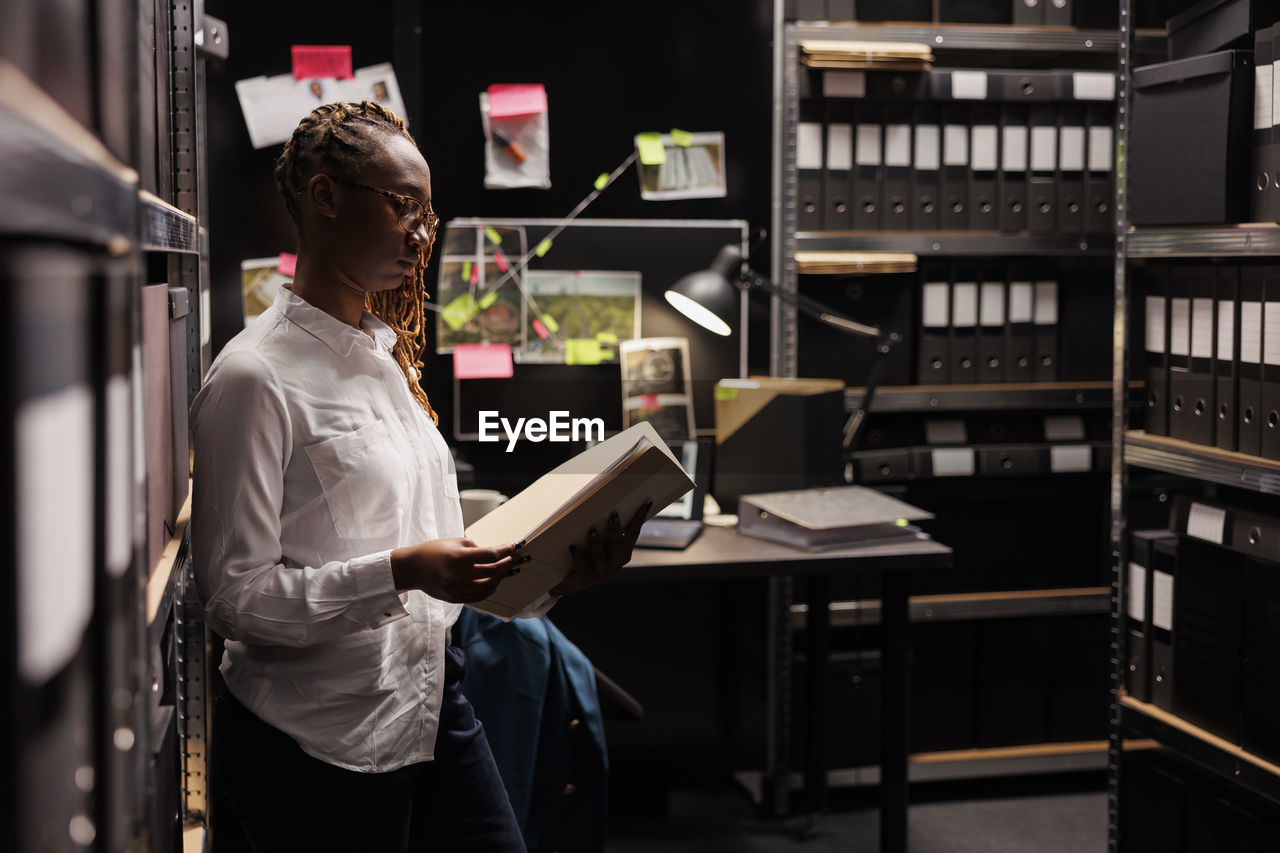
477 503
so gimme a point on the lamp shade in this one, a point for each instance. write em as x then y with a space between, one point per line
708 297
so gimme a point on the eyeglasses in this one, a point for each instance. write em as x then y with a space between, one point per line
412 212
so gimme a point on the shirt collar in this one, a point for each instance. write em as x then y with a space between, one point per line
331 331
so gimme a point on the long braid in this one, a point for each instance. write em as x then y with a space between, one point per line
337 138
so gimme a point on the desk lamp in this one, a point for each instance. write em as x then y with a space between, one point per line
707 297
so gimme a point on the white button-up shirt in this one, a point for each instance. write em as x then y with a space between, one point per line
312 462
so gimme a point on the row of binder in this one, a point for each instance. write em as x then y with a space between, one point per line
1212 355
901 464
988 331
1013 85
1041 168
1265 196
1023 13
1203 621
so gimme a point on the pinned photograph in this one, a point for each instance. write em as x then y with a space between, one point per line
681 165
656 385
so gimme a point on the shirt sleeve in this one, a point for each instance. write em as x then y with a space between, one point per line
243 441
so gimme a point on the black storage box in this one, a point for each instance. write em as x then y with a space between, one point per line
1216 24
1191 140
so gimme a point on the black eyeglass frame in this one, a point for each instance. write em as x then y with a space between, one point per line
412 210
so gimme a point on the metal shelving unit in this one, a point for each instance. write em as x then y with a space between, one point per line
967 606
989 38
1014 396
1226 241
1174 456
957 243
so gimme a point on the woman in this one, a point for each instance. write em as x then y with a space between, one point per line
328 533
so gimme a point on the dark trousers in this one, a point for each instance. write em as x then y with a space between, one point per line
283 799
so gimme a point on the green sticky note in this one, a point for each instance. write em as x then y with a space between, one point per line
550 322
683 138
649 145
459 311
602 181
542 248
606 337
488 300
723 393
493 235
582 351
466 271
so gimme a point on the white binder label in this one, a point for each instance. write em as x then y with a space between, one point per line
969 85
1226 330
1063 428
952 461
928 147
868 153
206 315
53 438
1202 328
1015 148
897 145
1180 326
1207 522
1093 85
955 145
991 309
1100 149
119 509
1275 91
1046 313
1155 324
1262 97
964 306
1137 607
844 84
1020 302
950 431
1071 149
809 145
985 143
1162 600
1251 332
1070 458
1271 334
840 147
1044 149
936 314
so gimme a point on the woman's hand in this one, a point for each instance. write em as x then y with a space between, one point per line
454 570
603 557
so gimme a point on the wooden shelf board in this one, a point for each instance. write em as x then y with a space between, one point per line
1174 721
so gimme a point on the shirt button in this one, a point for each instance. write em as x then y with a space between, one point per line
569 789
574 723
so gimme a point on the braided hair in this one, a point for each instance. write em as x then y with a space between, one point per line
337 139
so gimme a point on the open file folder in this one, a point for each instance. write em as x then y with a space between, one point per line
823 519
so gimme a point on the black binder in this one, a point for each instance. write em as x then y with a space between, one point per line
1043 163
991 331
1180 392
838 215
984 163
1249 384
1138 591
1260 696
1203 332
1071 163
925 180
1027 13
1164 570
1154 288
1020 343
1227 357
935 323
1057 13
1045 319
809 162
1013 167
964 329
1260 204
895 212
867 148
954 191
1099 188
1270 427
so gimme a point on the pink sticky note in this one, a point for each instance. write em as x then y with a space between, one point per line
287 265
541 329
516 99
475 275
500 260
482 361
321 60
648 401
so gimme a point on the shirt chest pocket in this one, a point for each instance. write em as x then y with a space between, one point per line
364 481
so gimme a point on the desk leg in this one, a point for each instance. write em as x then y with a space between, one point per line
776 790
817 654
894 712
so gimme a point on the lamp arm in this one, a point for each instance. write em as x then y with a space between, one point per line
753 280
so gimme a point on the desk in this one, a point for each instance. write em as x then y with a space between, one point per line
723 553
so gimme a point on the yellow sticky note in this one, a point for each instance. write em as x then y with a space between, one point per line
458 312
606 337
466 271
582 351
683 138
493 235
550 322
488 300
542 248
723 393
649 145
602 181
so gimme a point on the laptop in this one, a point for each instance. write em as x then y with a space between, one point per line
676 526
